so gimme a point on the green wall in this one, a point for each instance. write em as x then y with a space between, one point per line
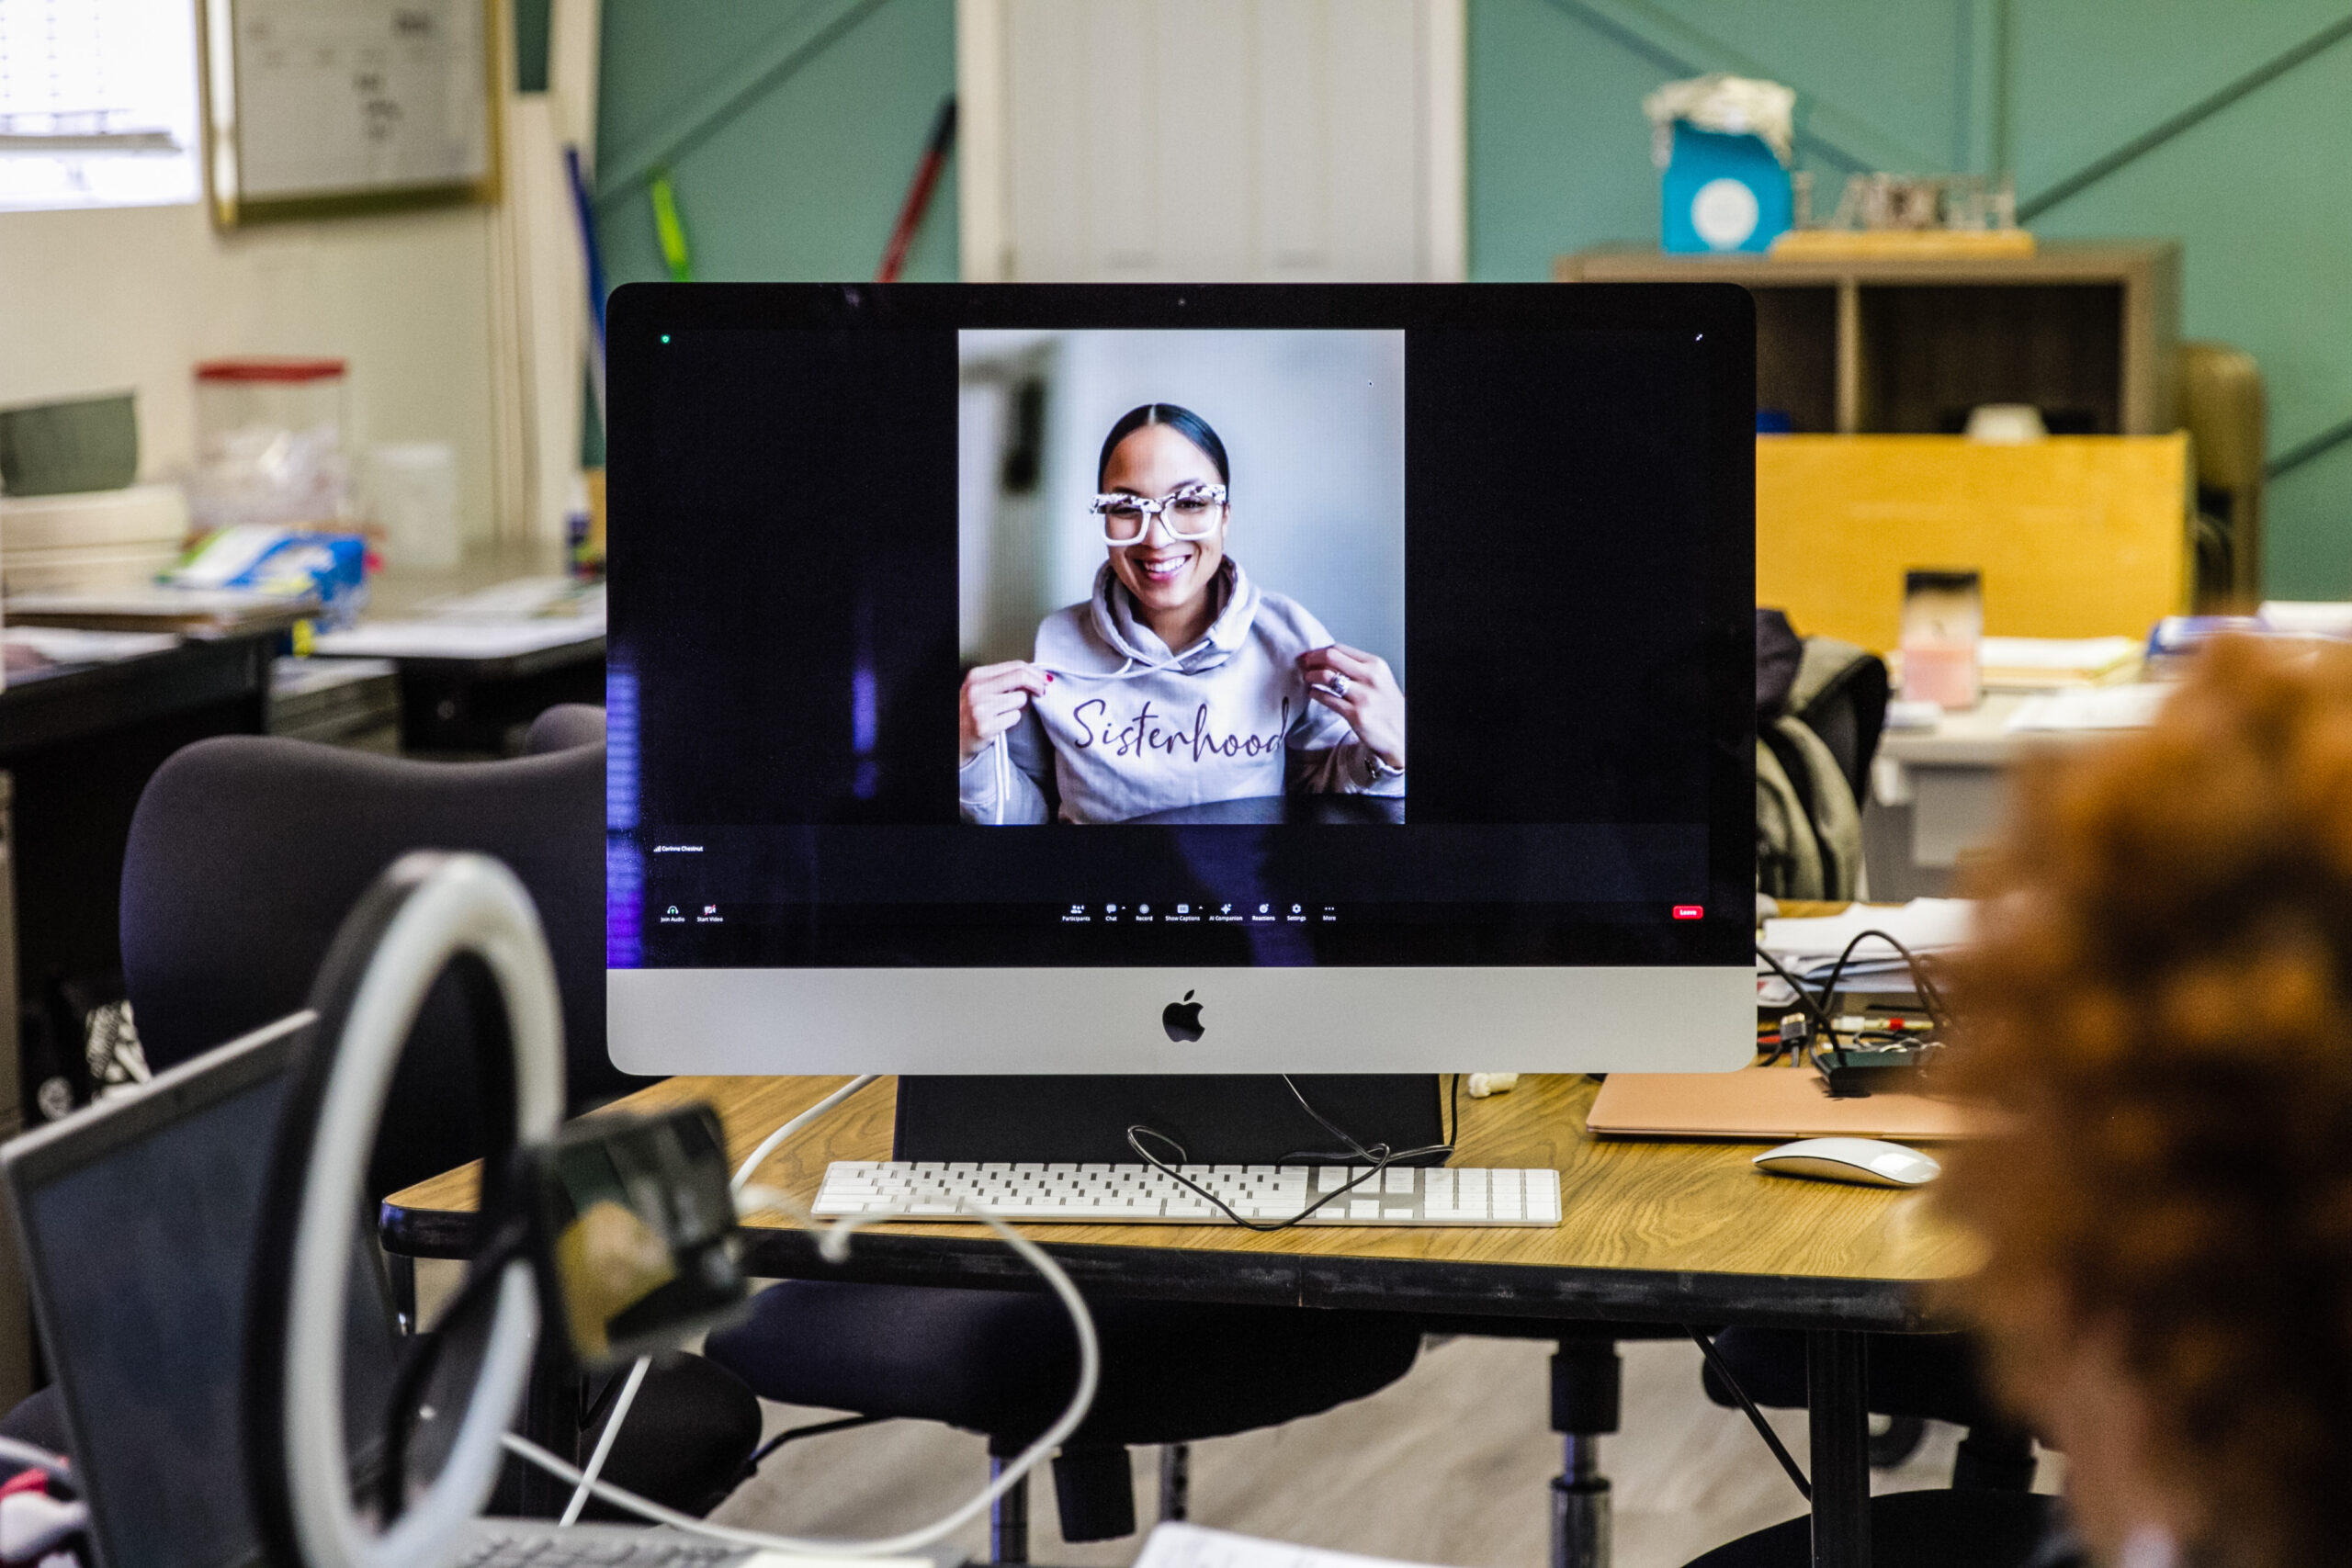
791 128
1559 158
790 131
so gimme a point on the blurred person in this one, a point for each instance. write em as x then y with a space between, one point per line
2159 1010
1179 681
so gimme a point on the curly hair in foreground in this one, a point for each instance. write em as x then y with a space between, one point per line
2161 1007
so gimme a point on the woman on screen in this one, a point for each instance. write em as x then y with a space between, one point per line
1180 681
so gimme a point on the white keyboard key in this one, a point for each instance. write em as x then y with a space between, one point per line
1363 1208
1397 1179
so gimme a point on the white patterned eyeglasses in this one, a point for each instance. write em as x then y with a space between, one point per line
1190 512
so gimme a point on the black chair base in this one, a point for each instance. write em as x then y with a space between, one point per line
1919 1530
1002 1363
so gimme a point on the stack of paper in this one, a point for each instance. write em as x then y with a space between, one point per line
2115 707
1194 1546
1809 948
2298 617
2055 663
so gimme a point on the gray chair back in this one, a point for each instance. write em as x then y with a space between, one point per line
246 852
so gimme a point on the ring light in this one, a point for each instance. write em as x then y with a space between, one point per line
430 912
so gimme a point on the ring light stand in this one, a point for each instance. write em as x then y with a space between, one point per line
430 912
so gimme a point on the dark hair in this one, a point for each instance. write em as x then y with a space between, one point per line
1181 420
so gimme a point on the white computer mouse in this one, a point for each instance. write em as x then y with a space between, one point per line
1870 1162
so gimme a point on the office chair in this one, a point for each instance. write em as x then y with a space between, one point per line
2224 409
245 854
1001 1363
1936 1377
1820 708
1925 1529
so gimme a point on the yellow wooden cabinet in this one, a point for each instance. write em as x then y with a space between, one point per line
2075 535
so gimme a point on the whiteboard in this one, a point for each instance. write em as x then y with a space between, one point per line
348 104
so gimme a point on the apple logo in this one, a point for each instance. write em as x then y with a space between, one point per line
1183 1020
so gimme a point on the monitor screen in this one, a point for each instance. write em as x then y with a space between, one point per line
1000 656
138 1221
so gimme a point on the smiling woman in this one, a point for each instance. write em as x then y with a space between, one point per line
1179 681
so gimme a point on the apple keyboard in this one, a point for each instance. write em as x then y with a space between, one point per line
1145 1195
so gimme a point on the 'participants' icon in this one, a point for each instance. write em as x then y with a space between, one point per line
1078 909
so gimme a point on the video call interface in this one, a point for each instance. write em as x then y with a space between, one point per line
1116 645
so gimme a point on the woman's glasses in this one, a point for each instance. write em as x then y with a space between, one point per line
1191 511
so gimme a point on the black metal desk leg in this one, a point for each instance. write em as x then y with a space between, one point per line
1586 1380
1837 1390
1008 1517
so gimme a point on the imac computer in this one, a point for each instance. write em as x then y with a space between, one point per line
1148 681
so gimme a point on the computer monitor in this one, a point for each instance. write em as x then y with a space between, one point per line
1168 680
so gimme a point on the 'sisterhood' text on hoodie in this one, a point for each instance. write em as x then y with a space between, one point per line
1130 728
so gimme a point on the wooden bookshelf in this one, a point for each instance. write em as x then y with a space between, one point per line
2087 333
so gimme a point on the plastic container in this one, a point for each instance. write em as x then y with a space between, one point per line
270 443
412 494
1943 621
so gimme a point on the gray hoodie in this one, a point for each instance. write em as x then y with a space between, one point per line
1134 728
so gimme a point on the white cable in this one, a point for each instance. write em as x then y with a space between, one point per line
14 1450
774 1141
743 1173
833 1245
605 1442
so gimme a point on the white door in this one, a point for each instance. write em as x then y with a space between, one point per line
1199 140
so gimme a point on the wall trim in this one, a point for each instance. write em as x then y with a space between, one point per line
2196 114
1829 133
983 175
1445 142
814 28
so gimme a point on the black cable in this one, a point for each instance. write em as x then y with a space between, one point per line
1379 1156
1136 1135
418 1364
1756 1418
814 1429
1804 999
1929 996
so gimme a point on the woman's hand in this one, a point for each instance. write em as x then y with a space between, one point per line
993 696
1359 687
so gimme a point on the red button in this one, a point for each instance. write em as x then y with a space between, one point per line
1687 912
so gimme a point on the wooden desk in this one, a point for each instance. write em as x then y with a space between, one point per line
1656 1232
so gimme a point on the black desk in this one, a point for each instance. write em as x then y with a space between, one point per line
475 706
1269 810
81 743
